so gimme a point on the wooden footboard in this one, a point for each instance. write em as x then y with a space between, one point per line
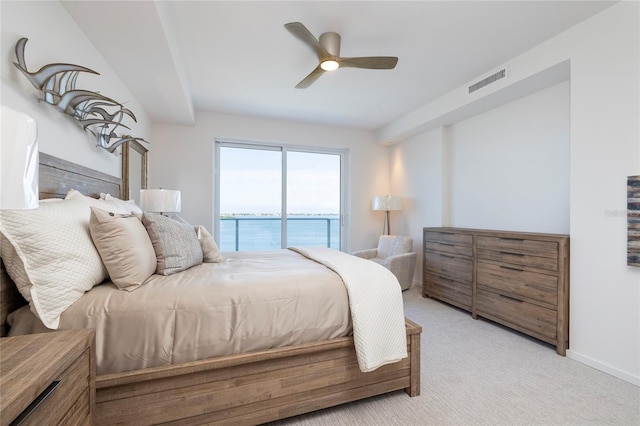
253 388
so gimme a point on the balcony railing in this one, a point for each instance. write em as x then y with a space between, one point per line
248 233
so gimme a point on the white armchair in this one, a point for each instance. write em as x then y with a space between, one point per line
394 253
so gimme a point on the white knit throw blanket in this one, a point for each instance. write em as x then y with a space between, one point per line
375 300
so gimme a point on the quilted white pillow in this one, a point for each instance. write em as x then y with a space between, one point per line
53 260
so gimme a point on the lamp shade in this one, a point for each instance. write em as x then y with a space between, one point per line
18 161
160 200
387 202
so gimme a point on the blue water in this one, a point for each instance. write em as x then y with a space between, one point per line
264 232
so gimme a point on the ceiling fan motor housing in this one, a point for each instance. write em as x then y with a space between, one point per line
331 42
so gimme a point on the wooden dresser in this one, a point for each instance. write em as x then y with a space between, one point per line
48 378
520 280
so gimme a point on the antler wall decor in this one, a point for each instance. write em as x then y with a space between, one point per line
98 114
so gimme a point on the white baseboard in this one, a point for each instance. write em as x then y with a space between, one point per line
605 368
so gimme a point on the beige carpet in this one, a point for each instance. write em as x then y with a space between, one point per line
479 373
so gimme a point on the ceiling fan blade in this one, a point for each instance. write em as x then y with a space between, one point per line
371 62
308 80
301 32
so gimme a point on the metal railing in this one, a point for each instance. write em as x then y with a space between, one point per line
265 233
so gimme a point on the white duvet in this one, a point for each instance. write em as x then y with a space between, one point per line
375 300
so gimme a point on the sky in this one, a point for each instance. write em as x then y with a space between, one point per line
251 182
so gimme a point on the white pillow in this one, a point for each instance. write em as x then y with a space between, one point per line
129 205
109 203
53 261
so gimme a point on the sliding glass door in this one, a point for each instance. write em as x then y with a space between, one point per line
250 198
313 199
255 183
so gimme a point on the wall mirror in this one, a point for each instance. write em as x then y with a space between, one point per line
135 170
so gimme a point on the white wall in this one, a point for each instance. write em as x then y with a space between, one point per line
510 166
604 56
55 37
605 149
507 169
419 172
184 159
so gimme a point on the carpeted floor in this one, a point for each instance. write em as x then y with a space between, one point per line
479 373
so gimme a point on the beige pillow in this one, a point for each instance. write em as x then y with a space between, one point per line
210 250
175 243
124 246
49 254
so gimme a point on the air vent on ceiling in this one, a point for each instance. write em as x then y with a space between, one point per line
486 81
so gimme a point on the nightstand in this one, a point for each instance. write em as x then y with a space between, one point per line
48 378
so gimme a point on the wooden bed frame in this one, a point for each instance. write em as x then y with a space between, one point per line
249 388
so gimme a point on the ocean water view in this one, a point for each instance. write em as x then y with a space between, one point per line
264 232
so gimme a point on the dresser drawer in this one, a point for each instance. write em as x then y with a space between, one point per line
70 400
526 317
513 281
449 238
538 262
458 268
449 248
548 249
451 291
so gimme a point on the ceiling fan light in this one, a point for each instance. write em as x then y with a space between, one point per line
329 65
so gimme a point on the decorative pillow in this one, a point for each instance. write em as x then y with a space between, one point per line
52 258
129 205
210 250
175 243
124 246
107 202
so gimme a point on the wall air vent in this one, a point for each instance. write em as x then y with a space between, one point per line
486 81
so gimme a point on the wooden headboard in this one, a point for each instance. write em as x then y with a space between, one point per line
56 177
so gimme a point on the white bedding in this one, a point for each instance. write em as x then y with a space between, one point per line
375 300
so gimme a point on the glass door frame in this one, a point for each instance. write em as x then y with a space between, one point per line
283 148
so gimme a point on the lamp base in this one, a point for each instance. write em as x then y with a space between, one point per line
386 228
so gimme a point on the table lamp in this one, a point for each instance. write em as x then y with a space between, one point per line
160 200
18 161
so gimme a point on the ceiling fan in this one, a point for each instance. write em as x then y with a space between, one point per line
327 47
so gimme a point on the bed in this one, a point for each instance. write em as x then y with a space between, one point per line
246 388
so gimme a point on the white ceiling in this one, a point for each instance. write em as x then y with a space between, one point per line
177 57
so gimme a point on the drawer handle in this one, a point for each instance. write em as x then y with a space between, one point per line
512 254
36 402
512 239
444 255
512 269
511 298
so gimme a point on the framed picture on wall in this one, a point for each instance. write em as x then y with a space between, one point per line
633 220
